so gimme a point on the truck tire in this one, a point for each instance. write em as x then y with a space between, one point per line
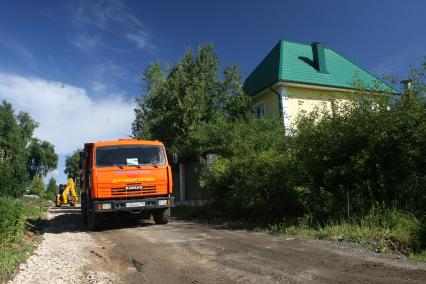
83 209
92 220
161 217
145 215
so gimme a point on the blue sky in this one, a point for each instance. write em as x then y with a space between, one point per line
75 65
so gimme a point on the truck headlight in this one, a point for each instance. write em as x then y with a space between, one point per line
162 202
106 206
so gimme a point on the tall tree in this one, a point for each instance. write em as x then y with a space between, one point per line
22 156
38 187
71 165
42 158
52 189
178 99
13 154
418 78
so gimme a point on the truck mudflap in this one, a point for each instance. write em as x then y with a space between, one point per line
140 204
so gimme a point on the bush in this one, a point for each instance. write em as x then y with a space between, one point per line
357 157
336 165
11 219
15 246
252 174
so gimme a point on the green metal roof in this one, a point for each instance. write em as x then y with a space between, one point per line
293 62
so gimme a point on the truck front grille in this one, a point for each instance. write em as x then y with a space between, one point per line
132 192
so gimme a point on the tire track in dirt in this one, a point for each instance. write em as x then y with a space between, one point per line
126 251
186 252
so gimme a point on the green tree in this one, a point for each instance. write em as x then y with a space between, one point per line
181 98
42 158
13 154
72 165
52 189
418 77
22 156
38 187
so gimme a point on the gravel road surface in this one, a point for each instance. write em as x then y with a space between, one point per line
126 251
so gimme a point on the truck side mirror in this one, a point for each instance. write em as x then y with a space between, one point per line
175 158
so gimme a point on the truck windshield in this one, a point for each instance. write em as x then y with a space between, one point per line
130 155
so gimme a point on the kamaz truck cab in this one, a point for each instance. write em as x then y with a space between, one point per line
126 175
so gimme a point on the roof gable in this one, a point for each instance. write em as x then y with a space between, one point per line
293 62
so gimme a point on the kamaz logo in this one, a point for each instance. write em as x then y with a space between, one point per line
133 187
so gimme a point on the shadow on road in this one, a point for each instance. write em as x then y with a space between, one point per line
70 220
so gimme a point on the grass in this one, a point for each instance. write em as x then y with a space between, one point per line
418 256
14 252
382 230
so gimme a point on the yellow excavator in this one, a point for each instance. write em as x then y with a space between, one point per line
66 194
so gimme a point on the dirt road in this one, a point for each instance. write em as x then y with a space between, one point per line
187 252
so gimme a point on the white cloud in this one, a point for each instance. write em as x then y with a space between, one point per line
99 87
96 20
23 53
86 43
140 39
68 117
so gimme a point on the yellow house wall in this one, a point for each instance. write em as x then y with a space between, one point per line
303 100
306 100
271 101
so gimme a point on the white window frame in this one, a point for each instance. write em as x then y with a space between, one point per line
260 106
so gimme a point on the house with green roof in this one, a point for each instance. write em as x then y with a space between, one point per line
296 77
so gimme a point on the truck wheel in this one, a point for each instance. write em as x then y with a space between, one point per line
161 216
92 220
145 215
83 209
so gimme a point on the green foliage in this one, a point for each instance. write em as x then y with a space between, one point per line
52 189
72 165
15 246
382 230
38 187
182 97
363 156
252 175
418 76
13 154
21 156
42 158
337 164
11 219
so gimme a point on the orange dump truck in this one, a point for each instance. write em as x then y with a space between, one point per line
126 175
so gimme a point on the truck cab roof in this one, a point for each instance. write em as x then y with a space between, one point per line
126 141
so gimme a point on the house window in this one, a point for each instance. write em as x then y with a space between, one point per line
259 110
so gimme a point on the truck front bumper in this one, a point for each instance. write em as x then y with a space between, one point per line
140 204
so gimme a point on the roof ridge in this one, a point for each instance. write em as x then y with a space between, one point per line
364 69
296 42
280 61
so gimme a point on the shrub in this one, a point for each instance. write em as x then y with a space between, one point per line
11 219
252 174
336 165
357 157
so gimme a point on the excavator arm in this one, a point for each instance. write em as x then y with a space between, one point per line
70 189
